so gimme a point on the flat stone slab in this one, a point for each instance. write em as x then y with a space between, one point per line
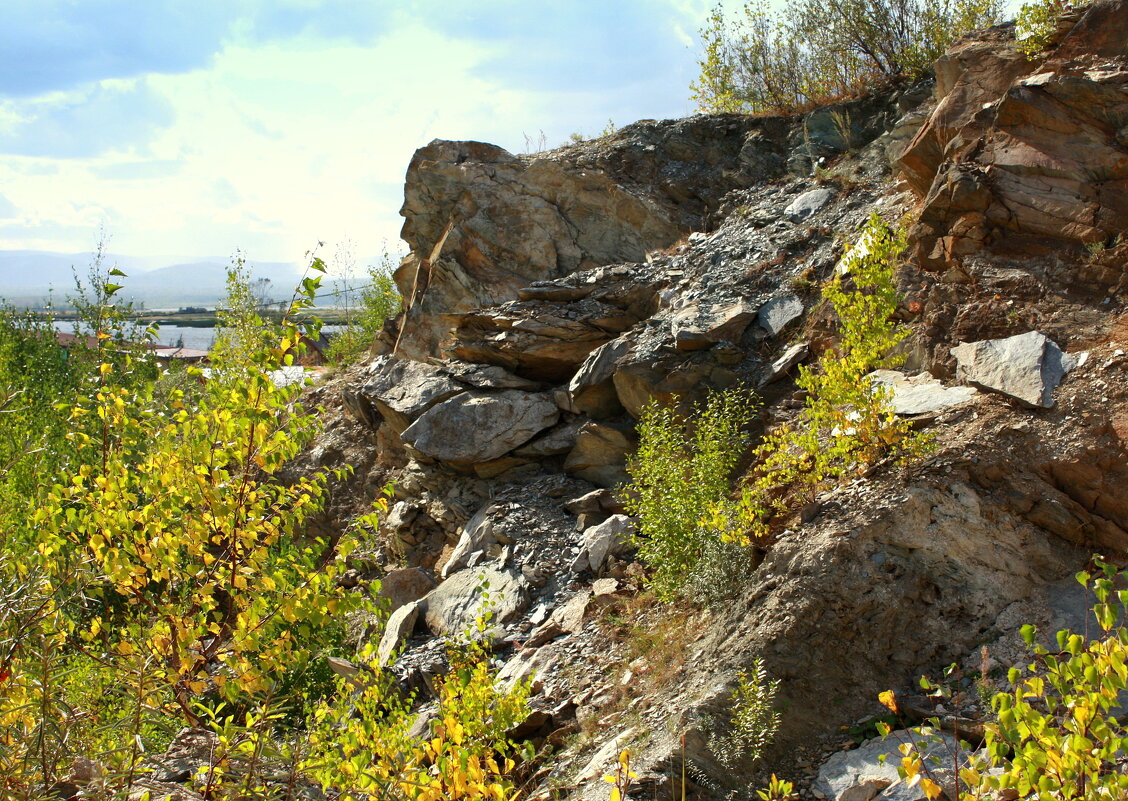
786 362
701 327
1026 367
920 394
775 315
807 204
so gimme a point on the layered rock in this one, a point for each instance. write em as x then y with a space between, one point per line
1023 156
538 363
483 223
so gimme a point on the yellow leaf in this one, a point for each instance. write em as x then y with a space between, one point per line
931 789
615 794
888 700
125 648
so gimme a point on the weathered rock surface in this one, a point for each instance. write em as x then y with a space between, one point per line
476 427
452 607
807 204
873 767
404 585
1027 367
483 224
1021 156
609 538
697 328
599 455
477 535
401 623
787 361
402 389
920 394
776 314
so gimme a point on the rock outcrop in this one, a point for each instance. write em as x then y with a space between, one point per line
1024 157
551 298
483 224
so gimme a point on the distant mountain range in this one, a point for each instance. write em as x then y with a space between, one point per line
30 277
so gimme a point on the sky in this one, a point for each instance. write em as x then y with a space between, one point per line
187 129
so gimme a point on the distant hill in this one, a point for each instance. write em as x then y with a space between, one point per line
27 278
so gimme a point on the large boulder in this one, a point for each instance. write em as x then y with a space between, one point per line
1026 367
453 606
482 223
476 426
402 389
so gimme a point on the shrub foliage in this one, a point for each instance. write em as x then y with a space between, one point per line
681 471
158 572
780 59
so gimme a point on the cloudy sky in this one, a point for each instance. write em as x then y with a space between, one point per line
191 128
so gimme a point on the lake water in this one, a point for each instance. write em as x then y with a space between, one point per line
183 336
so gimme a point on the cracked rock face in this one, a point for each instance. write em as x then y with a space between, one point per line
483 223
1024 156
477 427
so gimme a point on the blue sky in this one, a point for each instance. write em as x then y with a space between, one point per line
191 128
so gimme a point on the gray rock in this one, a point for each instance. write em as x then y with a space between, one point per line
1026 367
786 362
920 394
479 426
609 538
452 607
399 628
599 365
594 502
554 442
591 390
848 769
807 204
775 315
487 376
402 389
476 535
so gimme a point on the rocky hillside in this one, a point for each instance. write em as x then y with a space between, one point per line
550 297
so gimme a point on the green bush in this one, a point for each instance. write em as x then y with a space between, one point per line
679 475
379 301
1057 733
810 51
847 423
752 722
1035 23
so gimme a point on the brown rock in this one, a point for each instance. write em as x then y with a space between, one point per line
600 455
1011 157
404 585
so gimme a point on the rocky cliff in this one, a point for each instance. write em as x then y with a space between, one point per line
550 297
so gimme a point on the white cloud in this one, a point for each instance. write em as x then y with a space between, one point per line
275 144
